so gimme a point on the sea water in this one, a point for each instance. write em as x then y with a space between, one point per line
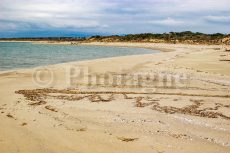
16 55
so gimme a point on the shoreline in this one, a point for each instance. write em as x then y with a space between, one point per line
86 60
73 62
152 46
114 44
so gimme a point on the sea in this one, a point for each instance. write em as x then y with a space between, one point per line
20 55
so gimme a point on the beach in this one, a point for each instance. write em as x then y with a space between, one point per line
173 101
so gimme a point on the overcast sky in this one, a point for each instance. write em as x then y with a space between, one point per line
66 17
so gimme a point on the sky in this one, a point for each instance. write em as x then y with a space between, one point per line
37 18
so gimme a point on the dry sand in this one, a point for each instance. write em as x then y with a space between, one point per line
180 103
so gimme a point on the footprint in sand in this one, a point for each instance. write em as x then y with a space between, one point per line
51 108
10 116
24 124
124 139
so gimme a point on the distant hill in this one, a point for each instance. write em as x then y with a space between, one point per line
172 37
186 37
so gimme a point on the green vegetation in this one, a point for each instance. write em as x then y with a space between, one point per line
172 37
187 37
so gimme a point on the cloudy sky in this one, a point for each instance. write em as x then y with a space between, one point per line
20 18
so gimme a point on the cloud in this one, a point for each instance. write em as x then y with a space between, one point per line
218 19
194 6
12 26
168 22
115 16
54 14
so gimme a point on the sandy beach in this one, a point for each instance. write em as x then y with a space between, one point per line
174 101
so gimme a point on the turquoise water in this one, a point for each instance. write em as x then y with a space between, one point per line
16 55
